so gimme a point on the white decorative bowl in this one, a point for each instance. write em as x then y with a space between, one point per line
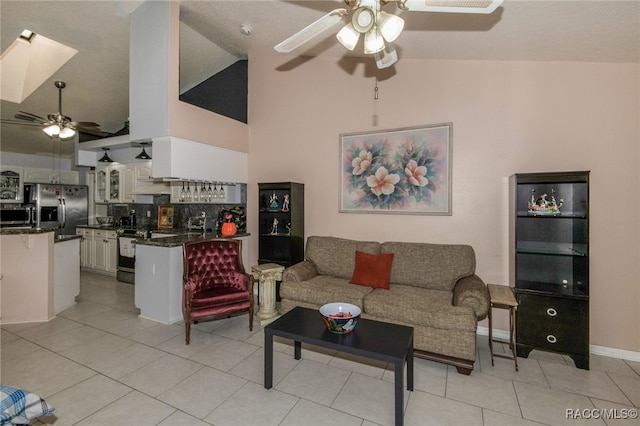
339 317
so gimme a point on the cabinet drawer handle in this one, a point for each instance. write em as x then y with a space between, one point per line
551 338
552 312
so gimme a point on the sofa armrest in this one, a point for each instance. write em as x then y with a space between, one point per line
302 271
472 292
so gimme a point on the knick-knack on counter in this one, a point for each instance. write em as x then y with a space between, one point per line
228 227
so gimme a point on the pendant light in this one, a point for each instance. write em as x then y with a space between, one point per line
143 155
105 158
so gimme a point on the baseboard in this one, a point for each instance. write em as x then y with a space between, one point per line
594 349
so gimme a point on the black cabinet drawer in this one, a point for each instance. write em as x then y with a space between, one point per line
553 323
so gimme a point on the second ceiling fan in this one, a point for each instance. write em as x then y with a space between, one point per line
57 125
380 28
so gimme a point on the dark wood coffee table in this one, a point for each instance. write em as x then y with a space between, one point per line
371 339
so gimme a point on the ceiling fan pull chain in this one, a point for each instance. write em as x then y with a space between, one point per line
375 90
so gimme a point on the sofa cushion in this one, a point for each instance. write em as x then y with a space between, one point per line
323 289
372 270
336 256
433 266
420 307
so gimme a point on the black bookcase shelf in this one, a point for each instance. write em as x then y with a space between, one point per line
282 244
550 264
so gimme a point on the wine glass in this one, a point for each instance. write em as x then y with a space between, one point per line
183 193
209 193
195 192
221 192
203 192
215 191
188 192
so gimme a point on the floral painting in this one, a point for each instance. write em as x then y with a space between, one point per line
397 171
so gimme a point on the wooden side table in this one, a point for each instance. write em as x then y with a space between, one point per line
267 274
502 297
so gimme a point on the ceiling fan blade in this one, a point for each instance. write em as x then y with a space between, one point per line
20 122
84 124
30 116
452 6
386 57
310 31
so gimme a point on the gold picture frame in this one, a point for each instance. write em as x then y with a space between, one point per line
165 217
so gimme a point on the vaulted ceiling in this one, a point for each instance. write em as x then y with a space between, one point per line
98 76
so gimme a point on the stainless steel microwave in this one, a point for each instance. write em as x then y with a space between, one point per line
16 216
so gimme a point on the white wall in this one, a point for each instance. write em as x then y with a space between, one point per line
508 117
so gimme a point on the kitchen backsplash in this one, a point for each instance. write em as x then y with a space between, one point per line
147 214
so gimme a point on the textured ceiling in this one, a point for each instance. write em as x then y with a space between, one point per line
98 78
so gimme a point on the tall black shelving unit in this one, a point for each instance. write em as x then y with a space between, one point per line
550 263
284 243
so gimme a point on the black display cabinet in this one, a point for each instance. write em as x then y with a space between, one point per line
281 223
550 262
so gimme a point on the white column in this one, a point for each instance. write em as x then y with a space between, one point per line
267 274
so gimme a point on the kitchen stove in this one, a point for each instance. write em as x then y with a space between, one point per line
127 253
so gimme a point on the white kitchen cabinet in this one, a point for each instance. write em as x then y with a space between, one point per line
101 186
128 183
144 182
101 252
115 184
40 175
11 181
86 260
108 184
67 177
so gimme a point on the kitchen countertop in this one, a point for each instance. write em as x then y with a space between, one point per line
183 237
18 230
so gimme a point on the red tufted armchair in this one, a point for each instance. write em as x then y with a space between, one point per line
215 283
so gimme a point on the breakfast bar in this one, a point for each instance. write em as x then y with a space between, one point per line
158 274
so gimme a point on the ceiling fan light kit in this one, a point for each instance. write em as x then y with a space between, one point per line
373 42
378 26
390 26
61 132
348 36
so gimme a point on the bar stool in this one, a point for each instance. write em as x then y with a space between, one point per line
502 297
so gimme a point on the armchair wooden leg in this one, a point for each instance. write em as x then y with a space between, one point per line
250 319
187 331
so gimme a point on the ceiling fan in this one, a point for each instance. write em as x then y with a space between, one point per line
380 28
57 124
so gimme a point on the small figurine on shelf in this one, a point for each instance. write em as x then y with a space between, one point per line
289 228
274 227
285 203
544 206
273 202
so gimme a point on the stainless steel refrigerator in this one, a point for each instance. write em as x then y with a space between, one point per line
57 206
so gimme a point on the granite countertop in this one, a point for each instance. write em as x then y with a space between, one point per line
183 237
97 226
20 230
17 230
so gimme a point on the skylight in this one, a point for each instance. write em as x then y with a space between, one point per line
28 62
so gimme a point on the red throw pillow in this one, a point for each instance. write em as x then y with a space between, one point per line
372 270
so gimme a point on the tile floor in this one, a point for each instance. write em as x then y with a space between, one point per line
97 363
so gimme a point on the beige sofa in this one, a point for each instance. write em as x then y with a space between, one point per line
433 288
